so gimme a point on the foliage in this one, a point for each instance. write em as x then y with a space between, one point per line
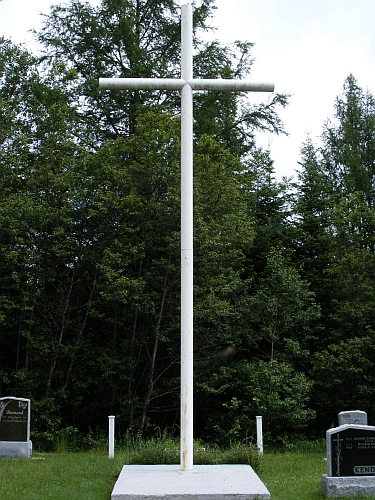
283 309
141 38
89 234
90 216
271 389
336 225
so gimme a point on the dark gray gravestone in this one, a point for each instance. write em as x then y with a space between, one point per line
15 427
351 451
350 461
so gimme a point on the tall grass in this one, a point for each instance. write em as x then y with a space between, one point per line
165 450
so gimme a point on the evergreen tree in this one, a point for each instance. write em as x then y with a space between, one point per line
129 38
90 216
335 248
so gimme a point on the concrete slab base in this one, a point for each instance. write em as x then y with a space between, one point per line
348 486
205 482
16 448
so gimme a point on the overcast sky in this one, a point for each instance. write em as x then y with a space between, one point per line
307 48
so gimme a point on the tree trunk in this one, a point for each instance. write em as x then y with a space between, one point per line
153 361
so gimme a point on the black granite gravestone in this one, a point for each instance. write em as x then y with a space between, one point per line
351 451
14 419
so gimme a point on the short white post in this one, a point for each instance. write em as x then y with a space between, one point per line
259 435
111 434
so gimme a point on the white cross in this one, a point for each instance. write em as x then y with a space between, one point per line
338 449
186 84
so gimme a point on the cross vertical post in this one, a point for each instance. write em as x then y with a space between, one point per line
187 305
186 84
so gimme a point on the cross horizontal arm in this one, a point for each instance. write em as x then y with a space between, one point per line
233 85
177 84
141 83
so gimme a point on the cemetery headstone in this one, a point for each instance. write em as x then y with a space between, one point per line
350 461
355 417
15 427
351 451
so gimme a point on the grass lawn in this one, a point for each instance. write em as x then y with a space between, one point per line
91 475
59 476
296 476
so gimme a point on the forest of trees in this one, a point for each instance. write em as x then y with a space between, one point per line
89 237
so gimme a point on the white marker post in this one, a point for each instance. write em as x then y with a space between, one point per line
186 84
111 436
259 435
